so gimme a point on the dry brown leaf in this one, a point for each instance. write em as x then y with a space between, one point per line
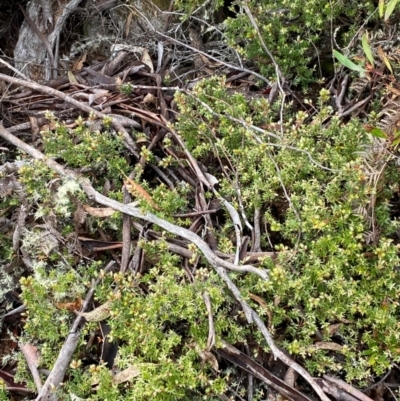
79 216
384 58
290 377
47 242
6 187
34 125
150 98
72 78
128 23
78 65
259 300
393 90
71 306
325 345
126 375
264 305
99 211
146 59
103 211
208 62
332 329
98 96
97 315
136 190
119 81
207 356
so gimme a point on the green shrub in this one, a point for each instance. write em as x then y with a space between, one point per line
331 296
298 33
328 281
159 321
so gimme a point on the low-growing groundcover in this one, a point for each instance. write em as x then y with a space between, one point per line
331 299
332 294
320 190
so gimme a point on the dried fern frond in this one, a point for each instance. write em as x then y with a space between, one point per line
374 160
390 114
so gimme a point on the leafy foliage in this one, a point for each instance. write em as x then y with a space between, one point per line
326 276
292 31
83 147
321 189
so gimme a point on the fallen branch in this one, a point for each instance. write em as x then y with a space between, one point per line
30 354
232 354
348 388
118 122
211 257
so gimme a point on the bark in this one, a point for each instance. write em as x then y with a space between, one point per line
31 51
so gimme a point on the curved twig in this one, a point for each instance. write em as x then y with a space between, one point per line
211 257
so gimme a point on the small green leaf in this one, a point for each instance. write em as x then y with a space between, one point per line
378 133
367 48
367 352
381 7
347 62
390 8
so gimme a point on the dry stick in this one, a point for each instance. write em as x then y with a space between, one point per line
335 392
253 22
126 233
285 359
257 231
193 161
340 95
132 211
60 367
172 228
194 214
117 122
15 70
346 387
211 327
355 107
218 264
280 80
178 42
27 350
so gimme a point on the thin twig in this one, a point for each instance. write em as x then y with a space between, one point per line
173 40
15 70
126 233
256 246
211 328
29 350
355 107
132 211
57 374
255 129
350 389
194 214
117 122
284 358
